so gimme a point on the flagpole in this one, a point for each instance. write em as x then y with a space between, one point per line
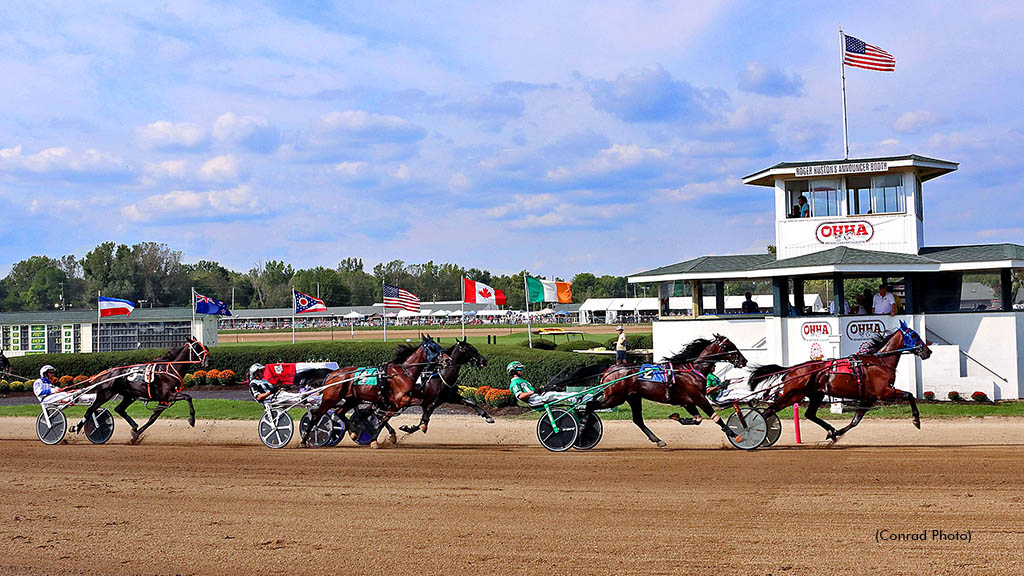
842 73
463 307
293 314
192 328
383 311
99 320
526 296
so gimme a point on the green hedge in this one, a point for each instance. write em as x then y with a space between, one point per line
541 365
579 345
633 341
539 344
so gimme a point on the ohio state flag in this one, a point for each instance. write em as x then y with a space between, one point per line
480 293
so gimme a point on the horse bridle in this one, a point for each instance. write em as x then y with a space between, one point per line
203 352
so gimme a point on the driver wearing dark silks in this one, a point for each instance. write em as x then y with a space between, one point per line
524 391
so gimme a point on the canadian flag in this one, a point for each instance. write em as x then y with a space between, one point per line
478 293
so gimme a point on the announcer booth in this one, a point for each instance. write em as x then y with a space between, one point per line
863 227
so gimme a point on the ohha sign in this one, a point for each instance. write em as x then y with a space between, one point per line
815 331
864 329
850 232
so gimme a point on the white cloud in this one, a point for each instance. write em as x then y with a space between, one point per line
696 190
188 204
63 162
458 182
914 122
219 169
617 158
359 125
350 169
402 173
168 170
164 135
251 132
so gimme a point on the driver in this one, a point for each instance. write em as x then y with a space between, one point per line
524 391
262 390
48 391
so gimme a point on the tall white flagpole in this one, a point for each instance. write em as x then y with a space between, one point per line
192 328
293 314
463 307
99 320
526 297
384 311
842 73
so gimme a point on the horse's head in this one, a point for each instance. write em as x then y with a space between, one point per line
463 353
723 349
913 342
197 352
432 351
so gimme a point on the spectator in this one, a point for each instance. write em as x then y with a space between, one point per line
620 346
749 306
795 211
805 208
865 302
883 302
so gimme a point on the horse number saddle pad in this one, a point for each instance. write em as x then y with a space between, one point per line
653 373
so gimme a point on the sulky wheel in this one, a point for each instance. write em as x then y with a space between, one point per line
753 434
338 431
557 432
774 428
276 428
363 425
51 425
591 431
321 433
100 427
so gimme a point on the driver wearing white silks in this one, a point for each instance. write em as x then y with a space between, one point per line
48 391
263 391
734 384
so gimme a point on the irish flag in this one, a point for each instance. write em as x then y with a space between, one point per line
480 293
115 307
548 290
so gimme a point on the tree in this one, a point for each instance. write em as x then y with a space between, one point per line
361 286
34 284
584 285
269 282
324 282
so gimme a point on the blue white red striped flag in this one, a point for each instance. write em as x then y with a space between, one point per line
115 307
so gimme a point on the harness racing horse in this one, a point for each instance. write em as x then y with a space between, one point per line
441 387
867 377
160 380
392 390
686 378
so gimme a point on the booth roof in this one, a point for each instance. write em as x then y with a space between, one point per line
840 259
928 168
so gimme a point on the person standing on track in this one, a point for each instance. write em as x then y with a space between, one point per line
620 346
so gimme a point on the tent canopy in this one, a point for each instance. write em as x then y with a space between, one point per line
353 315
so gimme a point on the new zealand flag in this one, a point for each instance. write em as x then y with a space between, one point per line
207 305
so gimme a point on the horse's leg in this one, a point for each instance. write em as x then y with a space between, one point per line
853 423
636 406
694 421
101 398
913 409
476 407
327 402
122 410
701 401
813 403
137 434
178 397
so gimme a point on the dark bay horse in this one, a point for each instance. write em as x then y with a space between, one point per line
442 386
867 378
685 386
160 380
392 390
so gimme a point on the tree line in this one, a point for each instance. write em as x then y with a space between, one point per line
153 275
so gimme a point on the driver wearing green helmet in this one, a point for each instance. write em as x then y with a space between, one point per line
523 390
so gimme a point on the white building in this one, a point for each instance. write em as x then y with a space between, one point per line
865 227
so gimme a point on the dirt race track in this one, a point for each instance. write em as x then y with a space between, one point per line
481 499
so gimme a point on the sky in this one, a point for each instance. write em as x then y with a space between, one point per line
556 137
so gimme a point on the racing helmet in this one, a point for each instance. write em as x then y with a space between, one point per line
513 366
45 369
254 369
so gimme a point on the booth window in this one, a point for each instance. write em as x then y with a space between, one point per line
917 200
795 189
887 193
824 198
858 195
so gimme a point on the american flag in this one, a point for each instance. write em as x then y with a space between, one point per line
395 297
860 54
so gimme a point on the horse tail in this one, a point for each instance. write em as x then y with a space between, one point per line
577 377
764 373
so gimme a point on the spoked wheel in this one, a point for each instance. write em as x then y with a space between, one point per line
276 428
753 434
363 424
338 431
100 427
591 431
774 428
321 433
559 431
51 425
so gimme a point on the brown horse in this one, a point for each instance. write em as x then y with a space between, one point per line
867 378
392 390
442 387
161 381
686 376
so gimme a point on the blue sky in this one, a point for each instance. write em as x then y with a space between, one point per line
506 136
